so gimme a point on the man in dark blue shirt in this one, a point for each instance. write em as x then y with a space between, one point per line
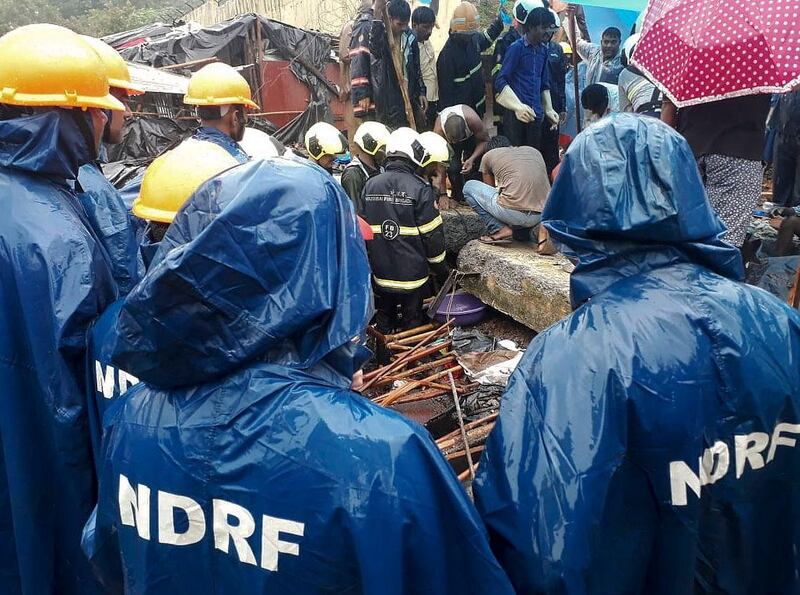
523 85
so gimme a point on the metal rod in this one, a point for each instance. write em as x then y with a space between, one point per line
461 424
191 63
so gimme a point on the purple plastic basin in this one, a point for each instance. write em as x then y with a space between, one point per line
463 307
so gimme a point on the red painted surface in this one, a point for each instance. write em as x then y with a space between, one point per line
284 97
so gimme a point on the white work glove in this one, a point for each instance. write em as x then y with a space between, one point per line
549 112
509 100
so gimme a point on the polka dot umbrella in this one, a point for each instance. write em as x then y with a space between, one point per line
698 51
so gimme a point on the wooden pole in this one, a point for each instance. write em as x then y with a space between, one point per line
470 464
574 41
259 51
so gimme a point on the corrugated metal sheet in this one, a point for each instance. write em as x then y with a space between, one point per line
327 16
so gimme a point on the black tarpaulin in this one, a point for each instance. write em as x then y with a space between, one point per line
231 41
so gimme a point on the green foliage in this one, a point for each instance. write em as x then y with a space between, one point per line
92 17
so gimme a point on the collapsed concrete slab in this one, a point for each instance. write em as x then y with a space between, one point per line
514 279
461 225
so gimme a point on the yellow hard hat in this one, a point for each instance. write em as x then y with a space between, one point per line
218 84
174 176
567 48
119 76
465 18
371 137
324 139
47 65
436 147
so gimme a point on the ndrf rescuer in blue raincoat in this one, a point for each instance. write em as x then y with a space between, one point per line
648 443
55 279
242 462
103 203
168 183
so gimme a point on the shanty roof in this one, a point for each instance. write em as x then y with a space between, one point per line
154 80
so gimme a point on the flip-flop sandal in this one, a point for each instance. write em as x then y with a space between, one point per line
491 241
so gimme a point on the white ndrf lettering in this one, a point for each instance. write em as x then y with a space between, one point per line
748 450
107 381
714 463
134 508
224 532
134 505
681 477
271 544
126 381
167 503
104 381
778 440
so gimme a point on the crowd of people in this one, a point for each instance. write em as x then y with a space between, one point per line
177 375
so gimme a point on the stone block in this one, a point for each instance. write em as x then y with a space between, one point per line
514 279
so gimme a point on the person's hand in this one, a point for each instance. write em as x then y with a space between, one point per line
554 118
364 103
358 380
525 114
468 165
562 118
423 102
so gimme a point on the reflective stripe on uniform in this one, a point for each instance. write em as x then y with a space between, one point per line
409 285
359 50
404 231
469 74
438 259
482 101
496 69
429 227
361 80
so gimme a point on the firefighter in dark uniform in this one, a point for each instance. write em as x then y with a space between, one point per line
458 68
400 207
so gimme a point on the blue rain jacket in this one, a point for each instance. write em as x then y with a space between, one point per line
111 222
647 443
213 135
54 281
243 463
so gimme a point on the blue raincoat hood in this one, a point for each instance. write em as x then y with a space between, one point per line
49 143
247 272
619 217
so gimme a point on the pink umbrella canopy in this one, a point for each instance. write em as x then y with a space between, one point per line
698 51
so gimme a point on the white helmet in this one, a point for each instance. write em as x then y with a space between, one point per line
405 142
436 146
629 46
522 8
260 145
371 137
324 139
